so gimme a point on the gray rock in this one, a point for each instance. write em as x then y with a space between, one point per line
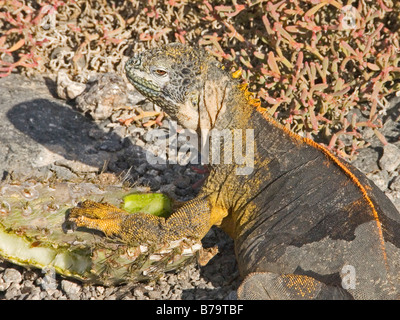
231 296
34 294
38 130
138 292
12 276
3 285
13 292
380 178
390 159
107 93
182 182
395 184
72 289
154 294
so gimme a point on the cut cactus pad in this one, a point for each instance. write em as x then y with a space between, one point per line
33 232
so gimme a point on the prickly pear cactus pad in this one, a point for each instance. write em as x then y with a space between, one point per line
33 232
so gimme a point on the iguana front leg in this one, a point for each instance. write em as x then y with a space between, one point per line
192 220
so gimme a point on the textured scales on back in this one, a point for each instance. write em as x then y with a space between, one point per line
305 225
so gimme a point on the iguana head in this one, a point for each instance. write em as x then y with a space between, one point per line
185 82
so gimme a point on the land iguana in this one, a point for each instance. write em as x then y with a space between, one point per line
305 224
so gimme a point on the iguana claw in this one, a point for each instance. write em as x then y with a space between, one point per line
95 215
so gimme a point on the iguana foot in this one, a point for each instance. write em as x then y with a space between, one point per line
100 216
189 221
272 286
144 114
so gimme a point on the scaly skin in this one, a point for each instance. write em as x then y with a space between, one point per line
305 225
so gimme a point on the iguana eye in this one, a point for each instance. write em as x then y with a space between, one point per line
160 72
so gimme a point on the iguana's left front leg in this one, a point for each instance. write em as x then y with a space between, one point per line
192 220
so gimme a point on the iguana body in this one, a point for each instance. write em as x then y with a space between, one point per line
303 222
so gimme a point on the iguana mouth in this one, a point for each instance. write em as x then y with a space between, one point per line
144 86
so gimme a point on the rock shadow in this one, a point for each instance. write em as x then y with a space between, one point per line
61 130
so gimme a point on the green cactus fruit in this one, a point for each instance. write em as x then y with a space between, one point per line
33 232
156 204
